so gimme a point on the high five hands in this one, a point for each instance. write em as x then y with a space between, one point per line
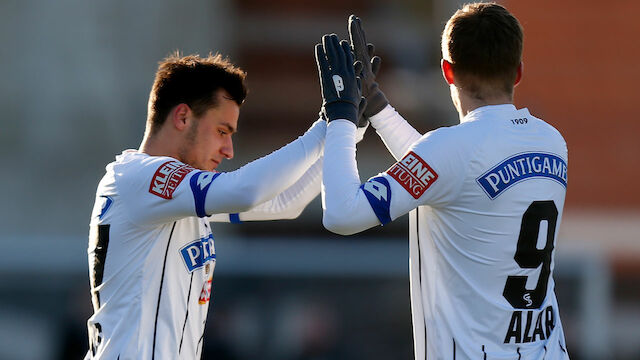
349 88
340 84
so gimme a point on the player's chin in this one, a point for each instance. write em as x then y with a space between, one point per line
206 166
212 165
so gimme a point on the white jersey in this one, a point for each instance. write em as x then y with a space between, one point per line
151 284
486 199
151 249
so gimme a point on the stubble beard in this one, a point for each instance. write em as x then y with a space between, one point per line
189 144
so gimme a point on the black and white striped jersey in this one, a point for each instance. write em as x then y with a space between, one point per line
485 200
150 278
151 247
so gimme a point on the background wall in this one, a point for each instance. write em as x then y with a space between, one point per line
75 80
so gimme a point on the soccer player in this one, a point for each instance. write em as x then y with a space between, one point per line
151 248
485 197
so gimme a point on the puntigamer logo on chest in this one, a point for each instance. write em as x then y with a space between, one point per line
521 167
199 252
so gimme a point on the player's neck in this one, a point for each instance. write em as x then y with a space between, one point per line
466 103
158 145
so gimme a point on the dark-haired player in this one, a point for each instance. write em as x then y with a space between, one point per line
151 249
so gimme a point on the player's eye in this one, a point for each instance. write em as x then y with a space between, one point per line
222 132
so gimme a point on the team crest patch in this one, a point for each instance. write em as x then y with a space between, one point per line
414 174
167 178
521 167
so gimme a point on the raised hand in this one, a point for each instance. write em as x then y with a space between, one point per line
341 88
364 53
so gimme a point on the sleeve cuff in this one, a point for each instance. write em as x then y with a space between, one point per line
341 123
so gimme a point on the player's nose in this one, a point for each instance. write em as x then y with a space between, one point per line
227 149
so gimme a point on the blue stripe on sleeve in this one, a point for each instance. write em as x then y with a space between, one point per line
235 218
200 183
378 192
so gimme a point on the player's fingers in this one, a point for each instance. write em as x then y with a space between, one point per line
332 49
348 56
375 65
350 24
356 35
318 52
360 30
323 65
371 49
357 67
326 46
320 59
345 45
362 121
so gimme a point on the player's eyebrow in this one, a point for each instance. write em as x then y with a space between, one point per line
230 98
229 127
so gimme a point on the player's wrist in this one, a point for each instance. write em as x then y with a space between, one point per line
376 102
360 130
341 110
317 129
383 118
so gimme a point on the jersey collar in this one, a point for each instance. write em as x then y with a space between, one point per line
484 111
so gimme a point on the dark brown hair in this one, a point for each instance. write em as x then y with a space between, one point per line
194 81
483 43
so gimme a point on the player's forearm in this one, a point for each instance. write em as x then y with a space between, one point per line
290 203
345 208
263 179
396 133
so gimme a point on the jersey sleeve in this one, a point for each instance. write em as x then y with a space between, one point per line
430 173
261 180
396 133
154 189
164 189
289 204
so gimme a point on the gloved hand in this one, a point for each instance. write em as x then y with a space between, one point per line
341 88
363 123
376 101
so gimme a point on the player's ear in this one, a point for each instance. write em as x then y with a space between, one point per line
518 74
447 71
180 116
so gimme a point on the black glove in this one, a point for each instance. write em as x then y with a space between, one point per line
363 122
376 101
341 89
